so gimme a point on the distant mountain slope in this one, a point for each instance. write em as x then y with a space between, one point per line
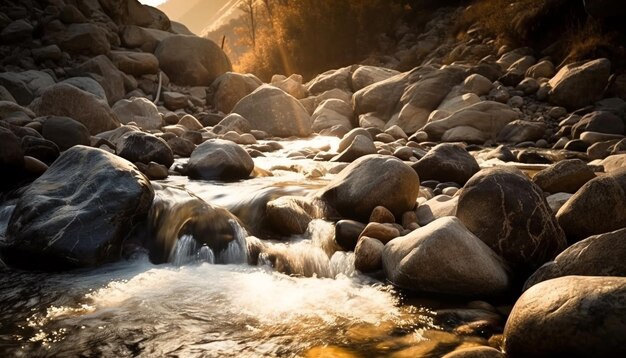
197 15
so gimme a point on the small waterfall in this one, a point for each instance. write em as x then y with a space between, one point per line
186 251
237 250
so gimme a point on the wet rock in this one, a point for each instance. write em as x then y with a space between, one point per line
571 316
447 162
347 233
68 101
65 132
291 214
371 181
599 206
598 255
61 223
219 159
476 352
139 110
510 214
566 176
368 255
154 171
191 60
230 88
144 148
579 84
446 258
275 112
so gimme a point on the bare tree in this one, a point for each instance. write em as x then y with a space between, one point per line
248 7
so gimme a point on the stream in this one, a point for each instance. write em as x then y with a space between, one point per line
209 303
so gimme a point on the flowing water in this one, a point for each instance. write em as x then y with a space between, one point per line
299 295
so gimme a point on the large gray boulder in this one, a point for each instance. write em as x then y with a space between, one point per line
371 181
68 101
446 258
101 69
510 214
273 111
572 316
598 255
599 206
579 84
219 159
61 223
230 88
191 60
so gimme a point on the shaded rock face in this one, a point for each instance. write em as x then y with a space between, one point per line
597 207
68 101
65 132
444 257
580 84
144 148
61 223
371 181
571 316
273 111
191 61
598 255
219 159
139 110
445 163
85 39
510 214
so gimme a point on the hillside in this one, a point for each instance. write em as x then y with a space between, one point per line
198 15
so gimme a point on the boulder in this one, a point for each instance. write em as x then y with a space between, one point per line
219 159
347 233
368 75
68 101
477 84
614 162
598 255
191 60
543 69
573 316
16 32
291 215
273 111
139 110
61 223
291 85
233 122
579 84
599 206
510 214
436 208
360 146
486 117
382 97
65 132
230 88
520 131
368 255
40 148
332 112
143 38
174 100
601 122
447 163
135 63
566 176
87 84
26 86
101 69
144 148
81 39
444 258
329 80
371 181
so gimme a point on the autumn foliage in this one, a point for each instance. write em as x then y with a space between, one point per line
311 36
